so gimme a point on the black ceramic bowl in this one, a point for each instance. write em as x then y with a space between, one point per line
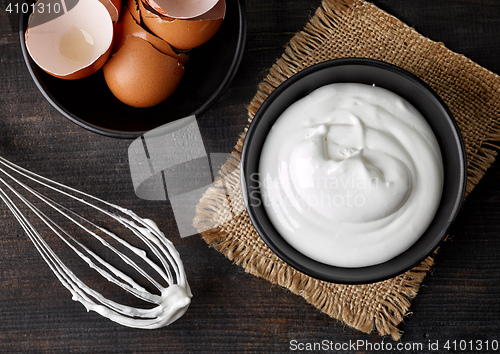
370 72
89 103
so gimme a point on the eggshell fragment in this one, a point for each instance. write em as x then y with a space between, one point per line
128 26
133 7
73 45
215 13
185 34
183 9
141 76
114 8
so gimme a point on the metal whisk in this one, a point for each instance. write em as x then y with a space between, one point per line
166 305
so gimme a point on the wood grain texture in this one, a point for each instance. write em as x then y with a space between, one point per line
231 310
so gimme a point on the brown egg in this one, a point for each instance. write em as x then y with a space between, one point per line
141 76
184 34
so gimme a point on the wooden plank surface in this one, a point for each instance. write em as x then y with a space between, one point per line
231 310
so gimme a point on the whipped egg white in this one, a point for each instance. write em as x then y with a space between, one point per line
351 175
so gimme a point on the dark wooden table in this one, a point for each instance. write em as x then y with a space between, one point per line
231 310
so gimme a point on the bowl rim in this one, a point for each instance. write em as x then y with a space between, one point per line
323 271
114 133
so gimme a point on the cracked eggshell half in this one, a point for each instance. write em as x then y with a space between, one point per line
73 45
182 9
184 34
141 76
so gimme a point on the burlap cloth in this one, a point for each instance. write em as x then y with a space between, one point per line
355 28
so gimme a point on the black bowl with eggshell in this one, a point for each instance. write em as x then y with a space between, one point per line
404 84
90 104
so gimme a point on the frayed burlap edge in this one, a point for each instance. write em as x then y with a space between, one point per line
379 307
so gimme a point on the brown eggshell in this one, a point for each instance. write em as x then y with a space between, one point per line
184 34
183 9
141 76
133 7
51 41
89 70
128 26
113 7
216 12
